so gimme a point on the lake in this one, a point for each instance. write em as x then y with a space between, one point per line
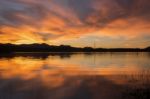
117 75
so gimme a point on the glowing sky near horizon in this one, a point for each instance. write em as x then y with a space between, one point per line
108 23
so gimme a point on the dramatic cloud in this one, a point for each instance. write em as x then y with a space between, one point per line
76 22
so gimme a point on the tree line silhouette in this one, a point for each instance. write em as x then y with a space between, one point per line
9 48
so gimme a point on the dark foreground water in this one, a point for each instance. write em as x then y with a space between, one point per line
75 76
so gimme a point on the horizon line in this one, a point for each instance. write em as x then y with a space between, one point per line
78 46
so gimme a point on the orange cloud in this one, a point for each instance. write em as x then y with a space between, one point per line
53 22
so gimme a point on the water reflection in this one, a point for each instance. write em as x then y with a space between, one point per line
75 76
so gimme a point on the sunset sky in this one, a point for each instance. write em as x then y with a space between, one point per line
108 23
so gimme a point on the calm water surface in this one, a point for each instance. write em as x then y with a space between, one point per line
75 76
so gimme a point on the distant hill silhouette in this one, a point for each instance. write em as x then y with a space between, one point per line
9 48
147 49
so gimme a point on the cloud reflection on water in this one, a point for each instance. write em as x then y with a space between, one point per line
79 76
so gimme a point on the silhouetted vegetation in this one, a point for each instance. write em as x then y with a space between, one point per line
8 48
148 49
139 87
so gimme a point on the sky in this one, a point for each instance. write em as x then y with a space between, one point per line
79 23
